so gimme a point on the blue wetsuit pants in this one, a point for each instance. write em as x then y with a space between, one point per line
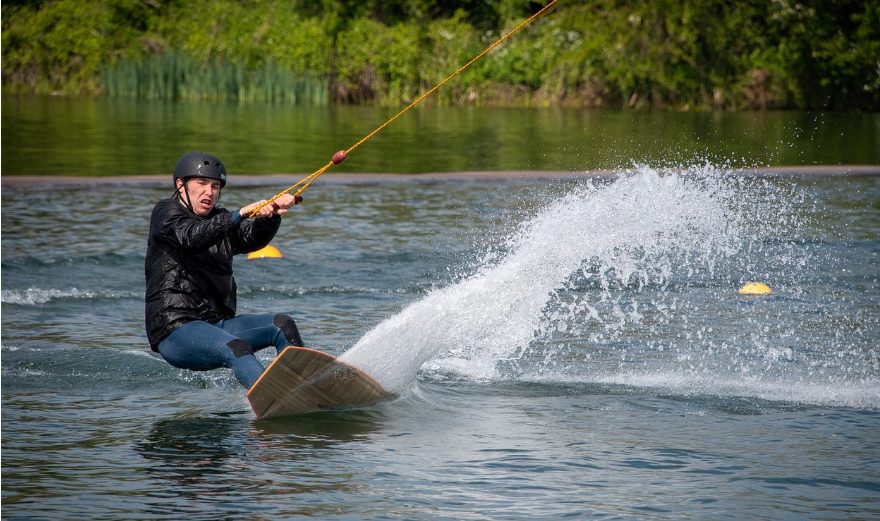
200 346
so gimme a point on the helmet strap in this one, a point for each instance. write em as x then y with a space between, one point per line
186 202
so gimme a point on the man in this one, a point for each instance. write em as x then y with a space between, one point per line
190 295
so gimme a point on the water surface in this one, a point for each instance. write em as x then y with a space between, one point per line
559 348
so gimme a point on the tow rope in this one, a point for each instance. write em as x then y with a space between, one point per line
342 155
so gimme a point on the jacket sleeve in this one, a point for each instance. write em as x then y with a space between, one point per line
255 234
187 231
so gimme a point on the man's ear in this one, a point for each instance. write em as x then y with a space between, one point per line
179 183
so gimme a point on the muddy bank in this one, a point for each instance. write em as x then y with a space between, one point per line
25 181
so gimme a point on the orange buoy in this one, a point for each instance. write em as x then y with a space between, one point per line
269 252
755 288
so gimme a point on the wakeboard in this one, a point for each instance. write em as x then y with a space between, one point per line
305 380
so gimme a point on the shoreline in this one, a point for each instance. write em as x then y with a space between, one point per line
25 181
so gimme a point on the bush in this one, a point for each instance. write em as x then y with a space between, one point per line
692 54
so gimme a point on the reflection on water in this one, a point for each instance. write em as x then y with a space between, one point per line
205 443
102 137
321 429
186 444
200 460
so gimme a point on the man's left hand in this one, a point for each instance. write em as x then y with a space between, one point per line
281 205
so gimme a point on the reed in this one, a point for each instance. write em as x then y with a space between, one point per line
176 76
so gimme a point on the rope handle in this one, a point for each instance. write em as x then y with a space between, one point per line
342 155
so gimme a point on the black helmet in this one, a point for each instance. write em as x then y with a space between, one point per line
199 164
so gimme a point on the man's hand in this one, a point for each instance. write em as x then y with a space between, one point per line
278 206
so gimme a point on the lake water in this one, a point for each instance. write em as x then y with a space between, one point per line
559 347
104 137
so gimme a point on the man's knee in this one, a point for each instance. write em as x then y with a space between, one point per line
240 348
288 328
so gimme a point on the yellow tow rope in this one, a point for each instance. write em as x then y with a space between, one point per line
341 155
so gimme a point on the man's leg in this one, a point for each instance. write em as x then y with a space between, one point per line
200 346
262 331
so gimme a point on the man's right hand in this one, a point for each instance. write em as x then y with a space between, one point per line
278 206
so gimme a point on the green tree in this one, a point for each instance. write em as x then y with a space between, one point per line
687 54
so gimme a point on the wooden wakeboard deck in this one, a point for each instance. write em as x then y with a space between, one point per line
303 380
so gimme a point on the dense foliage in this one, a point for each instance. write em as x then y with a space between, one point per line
688 54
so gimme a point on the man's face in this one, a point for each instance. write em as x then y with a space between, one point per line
203 194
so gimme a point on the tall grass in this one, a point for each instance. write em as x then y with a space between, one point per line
176 76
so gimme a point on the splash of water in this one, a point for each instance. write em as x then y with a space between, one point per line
495 313
633 282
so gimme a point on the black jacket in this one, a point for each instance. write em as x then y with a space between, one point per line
188 266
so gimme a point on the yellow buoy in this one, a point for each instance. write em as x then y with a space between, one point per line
269 252
755 288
